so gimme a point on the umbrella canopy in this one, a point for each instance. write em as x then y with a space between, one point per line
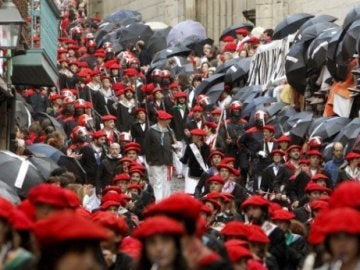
299 123
250 104
123 15
135 32
350 132
336 69
238 70
102 31
156 26
316 20
157 42
295 67
274 108
19 173
214 92
42 149
311 32
290 25
183 68
347 48
316 53
228 64
207 83
196 43
72 165
44 164
22 113
352 16
330 127
248 91
230 31
9 193
184 29
55 123
177 50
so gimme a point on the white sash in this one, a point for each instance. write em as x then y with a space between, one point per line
198 157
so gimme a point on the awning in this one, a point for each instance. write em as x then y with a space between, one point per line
34 68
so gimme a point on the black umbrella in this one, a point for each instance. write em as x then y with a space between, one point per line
295 67
187 68
274 108
72 165
316 53
230 31
347 47
215 91
316 20
42 149
238 70
316 122
350 132
44 164
196 43
123 15
290 25
313 31
228 64
102 31
248 91
330 127
135 32
299 123
55 123
22 114
352 16
177 50
337 70
207 83
19 173
250 104
9 193
157 41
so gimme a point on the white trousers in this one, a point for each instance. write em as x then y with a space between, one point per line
158 176
190 184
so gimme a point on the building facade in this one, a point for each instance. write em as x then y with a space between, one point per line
216 15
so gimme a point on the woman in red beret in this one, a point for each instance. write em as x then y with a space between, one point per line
351 171
161 248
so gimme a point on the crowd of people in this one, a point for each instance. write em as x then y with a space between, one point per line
252 199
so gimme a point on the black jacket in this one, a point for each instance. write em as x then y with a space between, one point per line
138 134
271 182
89 163
158 146
106 172
178 123
195 169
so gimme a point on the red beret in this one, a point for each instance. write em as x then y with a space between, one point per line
255 200
131 72
341 220
158 225
311 186
346 194
73 47
235 228
99 54
137 166
61 50
67 226
174 85
206 209
20 221
179 204
95 72
163 115
215 152
304 162
132 144
125 159
269 128
216 111
88 105
230 47
136 170
72 198
148 88
108 203
63 60
48 194
314 153
242 31
352 155
118 86
210 124
319 176
165 74
228 39
229 168
227 160
70 41
132 148
180 95
292 147
197 108
216 178
282 214
283 138
198 132
215 204
98 134
257 235
129 88
108 117
319 205
135 186
253 40
238 253
111 222
156 89
277 151
139 109
55 97
121 177
111 189
236 243
114 66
